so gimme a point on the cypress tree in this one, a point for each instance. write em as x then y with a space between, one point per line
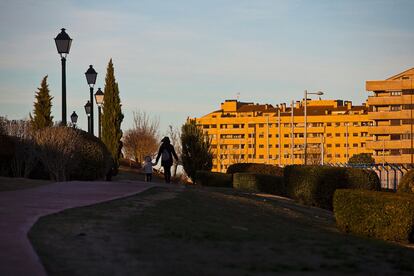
196 149
112 116
42 107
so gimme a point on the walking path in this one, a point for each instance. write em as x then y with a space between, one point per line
20 209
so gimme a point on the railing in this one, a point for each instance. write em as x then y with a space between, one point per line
389 174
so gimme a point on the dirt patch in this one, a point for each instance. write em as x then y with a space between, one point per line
207 232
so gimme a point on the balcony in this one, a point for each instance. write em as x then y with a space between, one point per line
388 115
402 129
399 159
390 144
388 85
389 100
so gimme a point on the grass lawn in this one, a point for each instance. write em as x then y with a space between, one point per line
16 183
197 231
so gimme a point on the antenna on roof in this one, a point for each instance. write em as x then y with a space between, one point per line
238 96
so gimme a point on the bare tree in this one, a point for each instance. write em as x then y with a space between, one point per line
143 138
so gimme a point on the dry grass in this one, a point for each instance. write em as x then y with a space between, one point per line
207 232
16 183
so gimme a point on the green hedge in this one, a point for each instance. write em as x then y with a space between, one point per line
213 179
362 179
265 183
382 215
255 168
406 184
314 185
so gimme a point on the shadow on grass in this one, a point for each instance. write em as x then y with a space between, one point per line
207 232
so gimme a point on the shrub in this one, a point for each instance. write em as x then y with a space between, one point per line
94 159
255 168
362 179
7 151
406 184
382 215
69 153
253 182
214 179
314 185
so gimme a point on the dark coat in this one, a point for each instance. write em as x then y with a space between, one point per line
171 152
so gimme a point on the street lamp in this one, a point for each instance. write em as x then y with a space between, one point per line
88 109
91 79
74 118
305 145
63 43
99 98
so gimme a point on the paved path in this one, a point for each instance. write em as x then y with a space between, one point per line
19 210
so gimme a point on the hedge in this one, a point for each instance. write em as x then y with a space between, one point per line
314 185
382 215
406 184
362 179
255 168
213 179
253 182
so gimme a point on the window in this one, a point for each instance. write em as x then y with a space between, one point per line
329 145
328 134
337 155
261 125
261 156
355 124
286 145
337 134
355 134
286 135
337 124
270 135
395 93
270 156
261 135
364 134
329 124
213 126
337 145
270 146
261 146
329 155
395 107
206 126
355 145
251 135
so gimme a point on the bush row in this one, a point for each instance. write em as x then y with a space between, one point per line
310 185
253 182
315 185
382 215
58 153
213 179
255 168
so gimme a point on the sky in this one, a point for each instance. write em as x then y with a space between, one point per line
182 58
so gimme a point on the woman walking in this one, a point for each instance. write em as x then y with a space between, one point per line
166 152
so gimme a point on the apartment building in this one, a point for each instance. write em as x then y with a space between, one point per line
391 110
248 132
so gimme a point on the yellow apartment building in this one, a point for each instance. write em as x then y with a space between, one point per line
247 132
391 110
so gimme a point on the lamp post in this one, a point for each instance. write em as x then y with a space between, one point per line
305 144
88 109
91 79
99 98
63 43
74 119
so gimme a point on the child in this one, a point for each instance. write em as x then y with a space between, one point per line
148 168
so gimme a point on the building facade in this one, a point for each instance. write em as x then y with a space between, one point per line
391 110
247 132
